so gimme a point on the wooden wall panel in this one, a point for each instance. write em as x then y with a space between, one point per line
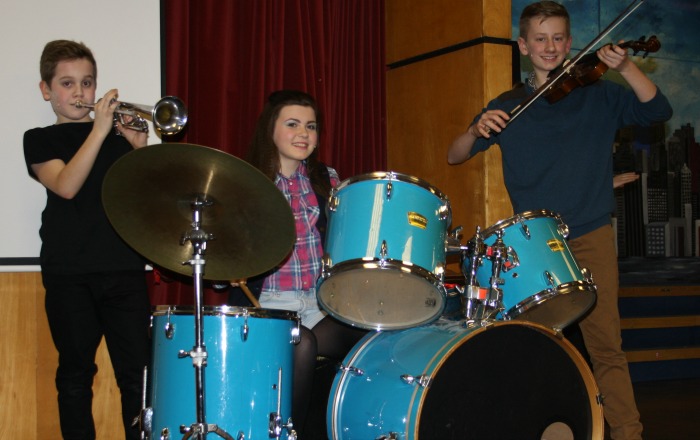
27 389
415 27
427 104
498 78
432 99
17 364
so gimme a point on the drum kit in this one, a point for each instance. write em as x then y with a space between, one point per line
483 358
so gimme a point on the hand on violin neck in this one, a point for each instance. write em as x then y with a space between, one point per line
615 57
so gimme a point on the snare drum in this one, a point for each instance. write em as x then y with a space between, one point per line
542 282
504 380
385 252
248 372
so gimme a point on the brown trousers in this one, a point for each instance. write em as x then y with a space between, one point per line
601 334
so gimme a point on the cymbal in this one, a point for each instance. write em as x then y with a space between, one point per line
148 194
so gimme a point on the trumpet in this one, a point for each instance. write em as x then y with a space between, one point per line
169 115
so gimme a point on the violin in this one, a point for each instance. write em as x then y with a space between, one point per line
562 77
590 69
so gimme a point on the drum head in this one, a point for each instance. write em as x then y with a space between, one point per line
381 299
511 382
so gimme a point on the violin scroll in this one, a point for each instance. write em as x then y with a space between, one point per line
643 45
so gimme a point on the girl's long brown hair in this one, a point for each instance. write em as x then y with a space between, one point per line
263 153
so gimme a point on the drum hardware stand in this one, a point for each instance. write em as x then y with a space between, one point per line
498 254
453 242
476 307
144 420
198 238
480 306
276 425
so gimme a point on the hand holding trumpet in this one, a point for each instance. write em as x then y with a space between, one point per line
104 111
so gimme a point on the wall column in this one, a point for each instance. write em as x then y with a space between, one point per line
446 59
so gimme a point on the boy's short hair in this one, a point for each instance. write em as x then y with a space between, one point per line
543 10
62 50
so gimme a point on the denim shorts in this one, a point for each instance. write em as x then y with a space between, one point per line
302 302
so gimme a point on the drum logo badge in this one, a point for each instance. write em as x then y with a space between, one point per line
556 245
415 219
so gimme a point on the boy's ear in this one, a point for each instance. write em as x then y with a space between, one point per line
522 46
45 90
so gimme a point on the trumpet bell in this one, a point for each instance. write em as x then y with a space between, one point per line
169 115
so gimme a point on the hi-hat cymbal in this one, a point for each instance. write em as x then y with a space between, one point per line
148 195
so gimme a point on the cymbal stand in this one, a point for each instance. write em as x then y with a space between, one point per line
198 238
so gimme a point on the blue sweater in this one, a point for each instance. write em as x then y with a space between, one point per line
559 156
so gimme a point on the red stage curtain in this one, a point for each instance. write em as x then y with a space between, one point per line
223 57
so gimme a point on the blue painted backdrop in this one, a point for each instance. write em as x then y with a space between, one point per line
675 68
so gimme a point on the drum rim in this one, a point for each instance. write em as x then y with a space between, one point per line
525 215
224 310
597 420
432 368
393 175
381 264
541 297
389 264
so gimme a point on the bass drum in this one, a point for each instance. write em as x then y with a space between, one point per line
501 380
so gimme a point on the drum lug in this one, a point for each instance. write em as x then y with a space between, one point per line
440 271
245 330
333 202
390 436
165 434
384 250
389 188
169 330
587 275
296 332
525 230
326 264
350 369
550 279
423 380
169 327
445 213
563 228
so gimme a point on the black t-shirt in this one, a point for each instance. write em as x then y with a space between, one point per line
76 235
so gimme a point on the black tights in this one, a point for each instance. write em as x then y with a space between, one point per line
329 338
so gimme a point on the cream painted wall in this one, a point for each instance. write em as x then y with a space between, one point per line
125 39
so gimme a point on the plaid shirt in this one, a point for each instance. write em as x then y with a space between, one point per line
303 266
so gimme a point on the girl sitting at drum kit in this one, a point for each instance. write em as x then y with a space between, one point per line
285 148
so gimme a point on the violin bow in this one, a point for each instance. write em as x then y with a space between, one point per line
569 64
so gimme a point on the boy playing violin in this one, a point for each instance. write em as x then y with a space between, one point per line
558 157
